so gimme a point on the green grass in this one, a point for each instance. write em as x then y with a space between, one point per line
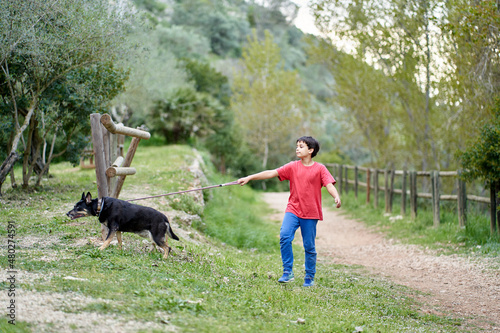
225 281
235 216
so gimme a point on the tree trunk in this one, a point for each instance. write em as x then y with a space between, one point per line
37 164
428 130
9 163
46 164
31 153
26 156
12 179
6 167
32 160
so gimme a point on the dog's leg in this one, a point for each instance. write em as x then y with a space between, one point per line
108 240
119 238
165 248
104 231
162 243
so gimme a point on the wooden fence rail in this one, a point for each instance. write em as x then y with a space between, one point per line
409 190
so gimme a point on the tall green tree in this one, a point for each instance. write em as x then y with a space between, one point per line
184 115
221 22
481 160
154 71
471 80
363 107
268 101
50 49
207 79
403 40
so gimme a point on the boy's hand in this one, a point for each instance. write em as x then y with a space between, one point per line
337 202
243 181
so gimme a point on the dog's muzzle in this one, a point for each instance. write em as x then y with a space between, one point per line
74 215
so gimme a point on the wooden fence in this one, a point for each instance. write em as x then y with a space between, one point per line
409 190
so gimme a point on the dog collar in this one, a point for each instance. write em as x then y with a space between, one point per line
100 204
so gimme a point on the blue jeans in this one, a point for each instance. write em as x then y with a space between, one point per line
308 230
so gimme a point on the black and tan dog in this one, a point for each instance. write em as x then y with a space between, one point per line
122 216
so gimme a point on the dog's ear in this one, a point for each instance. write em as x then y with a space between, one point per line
88 199
83 196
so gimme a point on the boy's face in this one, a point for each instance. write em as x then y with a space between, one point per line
302 150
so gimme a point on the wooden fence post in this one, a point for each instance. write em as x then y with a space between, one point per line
346 179
356 181
413 194
435 197
121 142
403 193
493 208
113 155
341 168
461 201
368 185
97 142
376 188
99 161
107 156
391 190
497 204
128 161
386 190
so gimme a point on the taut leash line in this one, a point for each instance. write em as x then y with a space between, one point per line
180 192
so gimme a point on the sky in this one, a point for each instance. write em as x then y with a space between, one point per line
305 20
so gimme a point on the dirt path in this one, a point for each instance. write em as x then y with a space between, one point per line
464 287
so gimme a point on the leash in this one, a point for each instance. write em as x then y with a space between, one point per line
180 192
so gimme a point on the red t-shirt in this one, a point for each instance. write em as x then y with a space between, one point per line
305 188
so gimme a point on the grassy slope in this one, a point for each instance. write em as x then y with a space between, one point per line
225 282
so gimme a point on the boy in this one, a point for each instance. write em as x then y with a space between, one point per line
304 204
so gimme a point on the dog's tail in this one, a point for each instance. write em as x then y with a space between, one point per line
170 232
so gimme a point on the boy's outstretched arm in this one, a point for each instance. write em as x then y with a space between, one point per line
258 176
333 192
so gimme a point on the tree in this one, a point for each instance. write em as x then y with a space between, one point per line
224 142
481 160
185 115
475 64
154 70
207 79
472 77
441 56
362 106
269 102
404 41
216 20
46 48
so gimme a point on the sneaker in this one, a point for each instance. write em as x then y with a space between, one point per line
287 277
308 282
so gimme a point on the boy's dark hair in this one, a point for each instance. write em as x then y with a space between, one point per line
311 143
